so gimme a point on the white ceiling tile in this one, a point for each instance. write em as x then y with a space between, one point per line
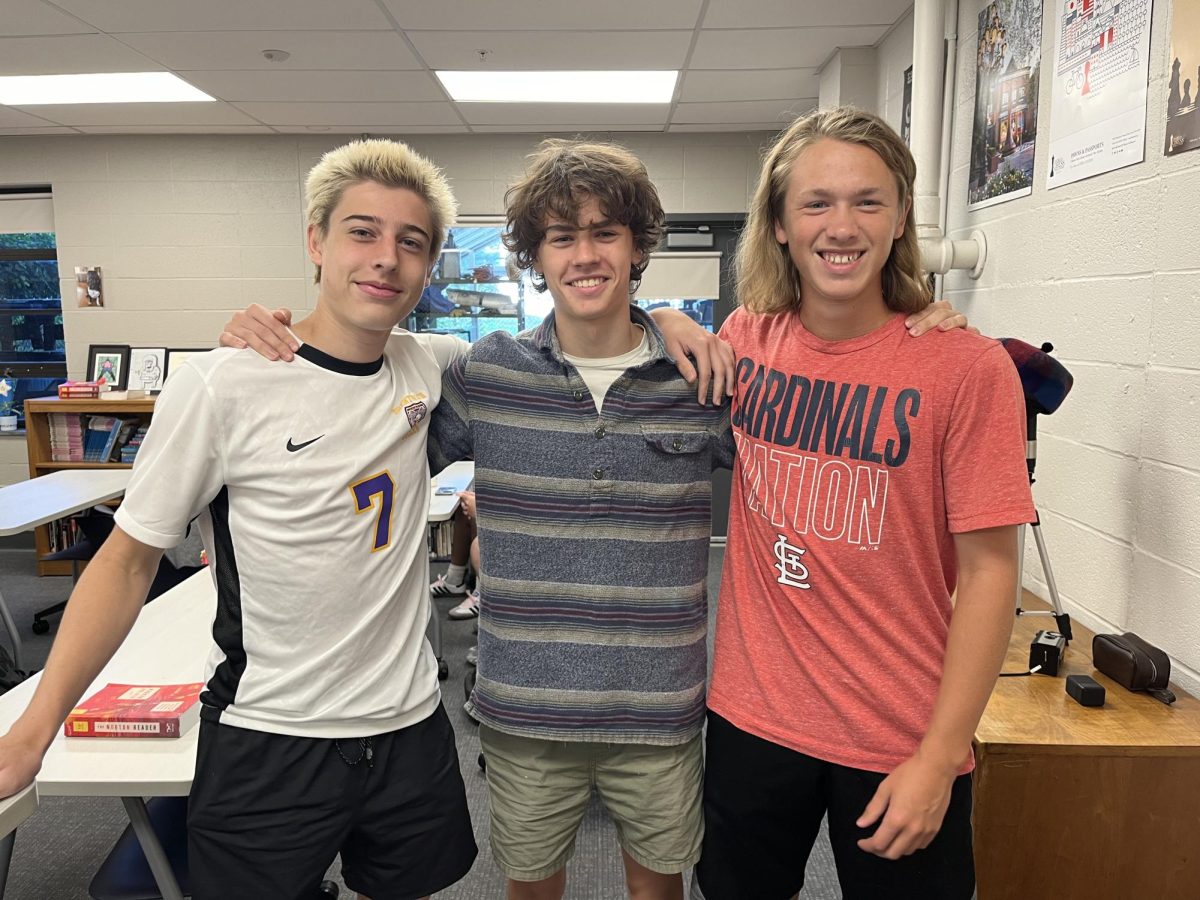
590 128
49 130
779 48
69 54
535 14
711 85
82 114
353 115
350 133
203 51
317 86
785 13
35 17
225 15
749 111
176 129
564 113
14 118
768 127
526 50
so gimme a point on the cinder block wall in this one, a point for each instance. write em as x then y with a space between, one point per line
1108 270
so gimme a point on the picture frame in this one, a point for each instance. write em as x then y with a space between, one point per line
147 368
177 356
110 361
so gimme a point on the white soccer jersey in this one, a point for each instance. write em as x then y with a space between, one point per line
313 489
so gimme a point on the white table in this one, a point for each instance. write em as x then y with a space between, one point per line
461 477
168 644
13 811
28 504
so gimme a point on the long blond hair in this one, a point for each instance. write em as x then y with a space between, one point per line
767 280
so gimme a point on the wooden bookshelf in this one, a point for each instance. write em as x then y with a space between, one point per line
37 436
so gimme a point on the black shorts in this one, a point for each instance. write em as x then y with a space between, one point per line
268 813
763 806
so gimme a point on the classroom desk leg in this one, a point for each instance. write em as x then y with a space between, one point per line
6 847
160 867
6 616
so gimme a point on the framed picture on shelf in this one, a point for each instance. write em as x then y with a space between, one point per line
110 362
177 357
147 368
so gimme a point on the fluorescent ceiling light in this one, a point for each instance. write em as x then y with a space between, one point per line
109 87
560 87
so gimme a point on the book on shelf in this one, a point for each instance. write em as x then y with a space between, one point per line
136 711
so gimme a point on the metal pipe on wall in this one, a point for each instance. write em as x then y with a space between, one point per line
932 104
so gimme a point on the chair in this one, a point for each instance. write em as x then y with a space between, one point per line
96 528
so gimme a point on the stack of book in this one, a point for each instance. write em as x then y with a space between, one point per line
130 450
104 435
66 438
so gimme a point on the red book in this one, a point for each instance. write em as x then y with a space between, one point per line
136 710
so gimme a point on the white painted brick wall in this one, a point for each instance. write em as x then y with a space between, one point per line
1108 270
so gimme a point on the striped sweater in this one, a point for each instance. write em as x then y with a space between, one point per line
593 532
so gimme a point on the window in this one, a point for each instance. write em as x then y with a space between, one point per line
474 291
31 326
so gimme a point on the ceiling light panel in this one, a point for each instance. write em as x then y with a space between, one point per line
560 87
105 87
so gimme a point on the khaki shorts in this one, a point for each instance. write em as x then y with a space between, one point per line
538 791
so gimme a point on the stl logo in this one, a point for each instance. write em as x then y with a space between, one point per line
792 572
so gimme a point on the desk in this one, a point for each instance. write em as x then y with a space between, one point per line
13 811
169 644
1073 802
35 502
461 477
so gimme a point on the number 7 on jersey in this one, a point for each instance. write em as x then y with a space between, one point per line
365 492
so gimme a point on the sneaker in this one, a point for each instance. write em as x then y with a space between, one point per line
443 588
473 655
468 609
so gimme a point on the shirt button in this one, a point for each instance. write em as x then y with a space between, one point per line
677 445
579 395
600 432
597 474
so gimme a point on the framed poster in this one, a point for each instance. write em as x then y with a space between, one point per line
109 362
177 357
1183 81
147 368
1008 63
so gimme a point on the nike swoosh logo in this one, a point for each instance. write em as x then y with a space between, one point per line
292 448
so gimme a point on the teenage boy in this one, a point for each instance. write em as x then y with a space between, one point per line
322 729
874 476
593 477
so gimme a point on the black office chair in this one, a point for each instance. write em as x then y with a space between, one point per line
96 527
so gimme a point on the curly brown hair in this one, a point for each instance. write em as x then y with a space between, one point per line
561 176
767 281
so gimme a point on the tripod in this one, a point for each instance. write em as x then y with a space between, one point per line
1062 620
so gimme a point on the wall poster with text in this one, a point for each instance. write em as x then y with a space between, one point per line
1183 84
1007 74
1098 90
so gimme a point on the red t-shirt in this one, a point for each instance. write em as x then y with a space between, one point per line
857 462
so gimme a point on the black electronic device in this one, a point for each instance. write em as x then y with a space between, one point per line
1046 652
1085 690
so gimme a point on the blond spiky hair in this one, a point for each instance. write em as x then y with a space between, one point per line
389 163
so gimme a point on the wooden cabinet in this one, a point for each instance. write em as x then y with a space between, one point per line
37 434
1089 803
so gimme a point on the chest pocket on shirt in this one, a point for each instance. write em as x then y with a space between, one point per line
675 456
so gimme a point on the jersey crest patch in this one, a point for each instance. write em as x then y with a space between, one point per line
414 408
